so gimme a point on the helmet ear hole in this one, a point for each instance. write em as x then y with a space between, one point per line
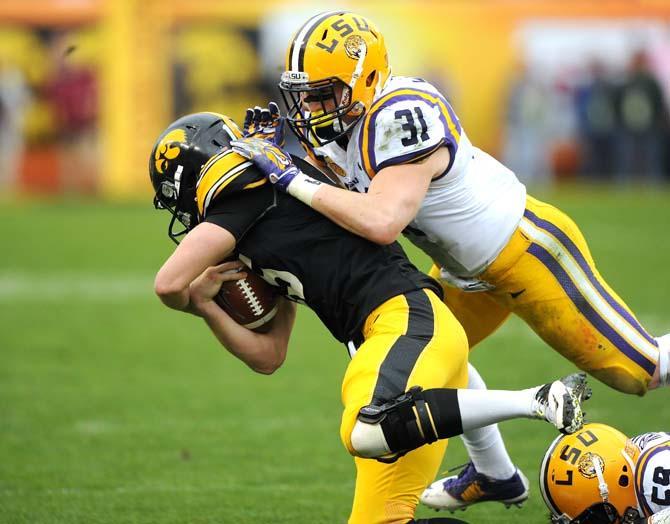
623 481
370 79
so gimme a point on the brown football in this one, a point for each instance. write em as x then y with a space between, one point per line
251 301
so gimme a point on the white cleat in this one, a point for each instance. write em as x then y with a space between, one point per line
560 402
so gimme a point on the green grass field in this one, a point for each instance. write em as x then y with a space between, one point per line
114 409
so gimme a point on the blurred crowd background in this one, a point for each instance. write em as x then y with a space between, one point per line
557 89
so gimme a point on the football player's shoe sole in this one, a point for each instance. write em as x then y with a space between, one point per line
560 402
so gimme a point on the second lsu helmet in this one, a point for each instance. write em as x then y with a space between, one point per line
588 477
176 160
332 53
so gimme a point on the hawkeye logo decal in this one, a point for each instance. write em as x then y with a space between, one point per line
167 150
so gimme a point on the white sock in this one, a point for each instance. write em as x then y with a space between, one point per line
485 445
486 407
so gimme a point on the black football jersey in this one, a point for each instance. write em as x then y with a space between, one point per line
339 275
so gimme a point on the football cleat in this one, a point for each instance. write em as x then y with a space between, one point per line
471 487
560 402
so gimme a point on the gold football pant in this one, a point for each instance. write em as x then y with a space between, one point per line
410 340
547 276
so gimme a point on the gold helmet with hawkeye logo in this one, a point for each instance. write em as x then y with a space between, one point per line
337 60
588 477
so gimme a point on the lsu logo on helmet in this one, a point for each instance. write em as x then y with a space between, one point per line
589 473
588 463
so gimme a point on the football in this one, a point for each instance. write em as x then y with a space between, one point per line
251 301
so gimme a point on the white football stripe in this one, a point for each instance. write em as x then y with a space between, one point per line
224 178
211 162
581 280
300 38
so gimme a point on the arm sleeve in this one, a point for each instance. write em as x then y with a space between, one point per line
238 212
406 128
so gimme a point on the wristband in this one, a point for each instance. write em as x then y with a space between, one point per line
303 188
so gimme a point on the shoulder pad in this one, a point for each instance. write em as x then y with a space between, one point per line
224 174
406 125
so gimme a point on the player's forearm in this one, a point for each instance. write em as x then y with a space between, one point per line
282 325
173 298
360 213
179 300
264 353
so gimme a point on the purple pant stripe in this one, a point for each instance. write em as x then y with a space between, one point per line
586 309
579 258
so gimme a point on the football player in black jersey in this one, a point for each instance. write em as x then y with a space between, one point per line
408 352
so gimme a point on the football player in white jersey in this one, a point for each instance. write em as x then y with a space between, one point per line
598 475
405 164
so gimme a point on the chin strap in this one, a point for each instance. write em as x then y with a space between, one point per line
602 485
362 52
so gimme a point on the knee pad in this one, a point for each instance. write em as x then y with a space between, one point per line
388 431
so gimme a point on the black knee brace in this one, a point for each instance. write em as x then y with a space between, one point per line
405 420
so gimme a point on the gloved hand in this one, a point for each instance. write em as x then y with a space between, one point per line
277 167
265 123
469 285
269 158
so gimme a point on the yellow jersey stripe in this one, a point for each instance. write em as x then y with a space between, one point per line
216 166
222 183
209 163
215 172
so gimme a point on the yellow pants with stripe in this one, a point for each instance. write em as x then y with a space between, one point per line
547 276
410 340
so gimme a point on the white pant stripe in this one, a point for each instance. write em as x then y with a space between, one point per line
580 279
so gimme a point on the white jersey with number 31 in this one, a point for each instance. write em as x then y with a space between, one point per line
470 211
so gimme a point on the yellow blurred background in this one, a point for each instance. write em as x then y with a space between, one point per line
87 85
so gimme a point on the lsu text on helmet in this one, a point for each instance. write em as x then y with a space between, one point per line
335 65
588 477
176 160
